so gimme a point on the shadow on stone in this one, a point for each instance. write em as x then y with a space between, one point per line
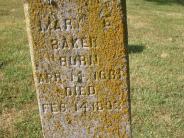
135 48
162 2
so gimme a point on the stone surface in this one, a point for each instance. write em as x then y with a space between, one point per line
80 66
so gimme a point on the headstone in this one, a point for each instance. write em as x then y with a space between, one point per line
80 65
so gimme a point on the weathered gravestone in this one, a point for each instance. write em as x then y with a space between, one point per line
80 65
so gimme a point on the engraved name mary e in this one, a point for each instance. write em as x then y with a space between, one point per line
78 50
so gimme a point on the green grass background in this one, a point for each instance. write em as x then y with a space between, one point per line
156 46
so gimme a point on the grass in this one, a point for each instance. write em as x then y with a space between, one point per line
156 45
